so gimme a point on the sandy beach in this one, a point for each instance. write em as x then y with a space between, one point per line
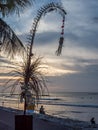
41 122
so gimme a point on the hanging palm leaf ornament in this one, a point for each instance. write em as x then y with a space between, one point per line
42 12
61 40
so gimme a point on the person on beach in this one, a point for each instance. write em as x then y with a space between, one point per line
42 111
93 122
3 104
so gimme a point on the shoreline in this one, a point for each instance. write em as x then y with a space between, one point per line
42 122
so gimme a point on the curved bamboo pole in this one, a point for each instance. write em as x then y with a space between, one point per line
41 12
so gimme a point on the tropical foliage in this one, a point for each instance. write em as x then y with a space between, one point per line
10 44
28 79
12 6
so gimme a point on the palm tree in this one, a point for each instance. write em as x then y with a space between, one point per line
30 78
9 42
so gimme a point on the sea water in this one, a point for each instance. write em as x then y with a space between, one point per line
77 105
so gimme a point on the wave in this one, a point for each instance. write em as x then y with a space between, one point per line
50 99
75 105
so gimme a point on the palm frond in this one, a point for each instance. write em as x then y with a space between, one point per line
10 44
13 6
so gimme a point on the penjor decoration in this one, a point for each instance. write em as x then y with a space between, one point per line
61 40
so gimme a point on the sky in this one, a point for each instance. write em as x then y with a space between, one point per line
77 67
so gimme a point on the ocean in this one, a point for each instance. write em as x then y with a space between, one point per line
76 105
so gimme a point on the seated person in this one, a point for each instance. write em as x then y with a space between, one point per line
93 122
41 111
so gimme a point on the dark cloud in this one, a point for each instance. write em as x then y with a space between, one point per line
95 19
88 40
87 61
81 65
42 38
47 37
3 74
4 60
79 28
92 69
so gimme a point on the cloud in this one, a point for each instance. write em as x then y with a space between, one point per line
80 51
4 60
46 37
84 81
79 27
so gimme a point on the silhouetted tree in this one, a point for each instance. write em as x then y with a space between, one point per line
30 79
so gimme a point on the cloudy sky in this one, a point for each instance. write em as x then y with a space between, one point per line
77 68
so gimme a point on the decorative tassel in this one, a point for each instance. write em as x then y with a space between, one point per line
61 40
0 43
59 50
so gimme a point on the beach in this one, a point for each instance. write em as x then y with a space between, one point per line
64 111
41 122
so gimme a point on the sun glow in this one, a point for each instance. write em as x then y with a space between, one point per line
53 71
59 72
8 77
